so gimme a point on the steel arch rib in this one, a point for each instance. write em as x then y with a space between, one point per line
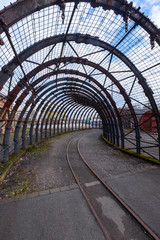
44 107
21 9
74 72
57 94
80 38
60 99
96 66
8 18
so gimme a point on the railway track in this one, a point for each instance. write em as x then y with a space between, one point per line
115 218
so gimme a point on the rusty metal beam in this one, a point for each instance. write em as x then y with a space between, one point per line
86 62
81 74
83 38
51 93
21 9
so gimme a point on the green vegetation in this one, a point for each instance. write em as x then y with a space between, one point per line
5 167
22 188
39 147
27 130
130 152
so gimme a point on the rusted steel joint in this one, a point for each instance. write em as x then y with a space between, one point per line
88 37
152 41
62 8
37 5
127 14
1 41
3 25
2 22
7 70
33 95
153 38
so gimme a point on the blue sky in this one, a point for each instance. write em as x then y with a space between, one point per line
151 8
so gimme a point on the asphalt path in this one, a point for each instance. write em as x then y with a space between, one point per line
64 214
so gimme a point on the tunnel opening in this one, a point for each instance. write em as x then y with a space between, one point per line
71 65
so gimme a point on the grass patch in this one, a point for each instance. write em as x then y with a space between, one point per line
22 188
40 147
5 167
12 159
37 147
130 152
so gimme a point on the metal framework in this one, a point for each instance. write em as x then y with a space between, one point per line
69 65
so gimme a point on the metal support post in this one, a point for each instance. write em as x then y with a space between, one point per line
46 129
138 139
16 138
31 133
37 126
41 131
24 135
50 128
122 136
54 126
6 144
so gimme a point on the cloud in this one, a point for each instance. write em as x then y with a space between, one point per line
151 2
150 8
155 14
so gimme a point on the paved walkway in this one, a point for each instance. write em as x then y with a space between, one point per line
51 211
136 181
54 216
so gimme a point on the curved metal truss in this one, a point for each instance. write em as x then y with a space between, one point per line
69 65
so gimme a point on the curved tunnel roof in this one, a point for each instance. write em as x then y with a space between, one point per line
83 58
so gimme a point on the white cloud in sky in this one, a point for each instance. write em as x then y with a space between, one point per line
151 8
152 1
155 14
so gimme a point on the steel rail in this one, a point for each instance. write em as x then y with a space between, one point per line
85 196
138 219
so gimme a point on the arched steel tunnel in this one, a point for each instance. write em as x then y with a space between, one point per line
68 64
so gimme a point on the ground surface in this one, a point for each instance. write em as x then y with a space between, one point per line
44 172
136 181
50 217
42 168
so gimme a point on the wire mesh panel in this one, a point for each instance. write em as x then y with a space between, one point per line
58 57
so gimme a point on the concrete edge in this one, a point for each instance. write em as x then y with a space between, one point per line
40 193
132 153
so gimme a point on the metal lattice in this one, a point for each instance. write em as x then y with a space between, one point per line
67 65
